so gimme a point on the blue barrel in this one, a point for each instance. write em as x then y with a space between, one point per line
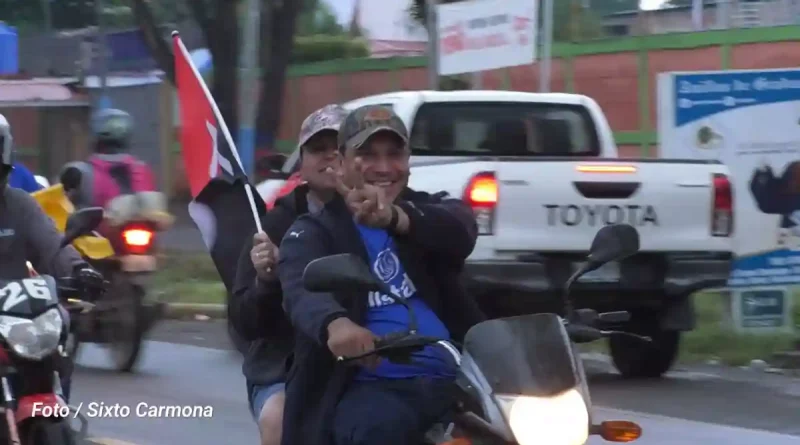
9 50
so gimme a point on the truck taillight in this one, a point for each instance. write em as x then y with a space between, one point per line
722 206
481 194
137 239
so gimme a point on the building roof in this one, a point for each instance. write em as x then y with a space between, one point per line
39 92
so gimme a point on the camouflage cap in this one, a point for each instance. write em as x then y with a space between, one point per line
328 117
365 121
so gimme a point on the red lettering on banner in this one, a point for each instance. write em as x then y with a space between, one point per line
453 39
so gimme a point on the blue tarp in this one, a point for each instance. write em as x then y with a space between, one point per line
9 50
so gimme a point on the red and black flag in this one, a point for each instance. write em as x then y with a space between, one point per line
223 205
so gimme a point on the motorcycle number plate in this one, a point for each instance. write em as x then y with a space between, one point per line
138 263
607 273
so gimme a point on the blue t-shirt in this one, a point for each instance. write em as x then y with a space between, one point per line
385 316
22 178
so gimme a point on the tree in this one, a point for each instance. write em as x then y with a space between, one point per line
318 18
320 37
64 14
219 22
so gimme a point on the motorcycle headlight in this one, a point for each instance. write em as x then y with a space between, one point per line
558 420
33 339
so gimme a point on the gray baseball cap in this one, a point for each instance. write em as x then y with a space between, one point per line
328 117
365 121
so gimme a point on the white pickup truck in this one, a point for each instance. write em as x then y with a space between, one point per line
542 173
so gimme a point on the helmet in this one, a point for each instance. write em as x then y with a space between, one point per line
112 128
6 143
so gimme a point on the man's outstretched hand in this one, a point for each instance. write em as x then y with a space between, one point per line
347 339
367 202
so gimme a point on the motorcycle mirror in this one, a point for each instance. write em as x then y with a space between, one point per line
619 431
70 178
613 242
81 222
342 272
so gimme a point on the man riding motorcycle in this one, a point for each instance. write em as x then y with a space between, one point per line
28 234
417 243
111 171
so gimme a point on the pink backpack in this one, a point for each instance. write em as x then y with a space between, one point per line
119 177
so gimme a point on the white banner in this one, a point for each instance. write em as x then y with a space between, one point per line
750 121
481 35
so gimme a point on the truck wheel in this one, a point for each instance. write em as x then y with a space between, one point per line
637 359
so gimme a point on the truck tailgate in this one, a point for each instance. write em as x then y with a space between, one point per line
559 205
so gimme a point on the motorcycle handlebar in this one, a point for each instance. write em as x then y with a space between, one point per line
582 333
72 288
400 345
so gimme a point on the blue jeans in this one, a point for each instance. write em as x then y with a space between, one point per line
391 412
259 394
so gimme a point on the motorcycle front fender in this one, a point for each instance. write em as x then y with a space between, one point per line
40 405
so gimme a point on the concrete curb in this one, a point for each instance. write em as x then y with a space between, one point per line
182 311
788 360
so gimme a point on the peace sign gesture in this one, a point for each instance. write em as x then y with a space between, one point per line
367 202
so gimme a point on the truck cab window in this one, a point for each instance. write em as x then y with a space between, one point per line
503 129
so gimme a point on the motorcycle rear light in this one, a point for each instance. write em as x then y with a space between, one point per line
722 206
482 193
138 240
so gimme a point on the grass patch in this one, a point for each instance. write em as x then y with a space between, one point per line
189 278
714 339
192 278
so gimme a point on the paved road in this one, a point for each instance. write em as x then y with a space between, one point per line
183 235
691 406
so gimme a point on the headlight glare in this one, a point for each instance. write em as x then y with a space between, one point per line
562 419
33 339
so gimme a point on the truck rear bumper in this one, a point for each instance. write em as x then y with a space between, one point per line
646 278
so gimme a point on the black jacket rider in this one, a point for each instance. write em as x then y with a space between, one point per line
28 234
315 382
255 308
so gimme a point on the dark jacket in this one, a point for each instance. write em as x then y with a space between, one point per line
255 308
442 235
27 233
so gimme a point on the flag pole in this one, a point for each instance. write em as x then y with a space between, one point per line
223 126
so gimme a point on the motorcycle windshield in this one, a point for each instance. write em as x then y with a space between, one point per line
527 355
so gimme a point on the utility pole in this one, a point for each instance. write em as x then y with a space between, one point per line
48 16
431 21
248 81
102 55
547 45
